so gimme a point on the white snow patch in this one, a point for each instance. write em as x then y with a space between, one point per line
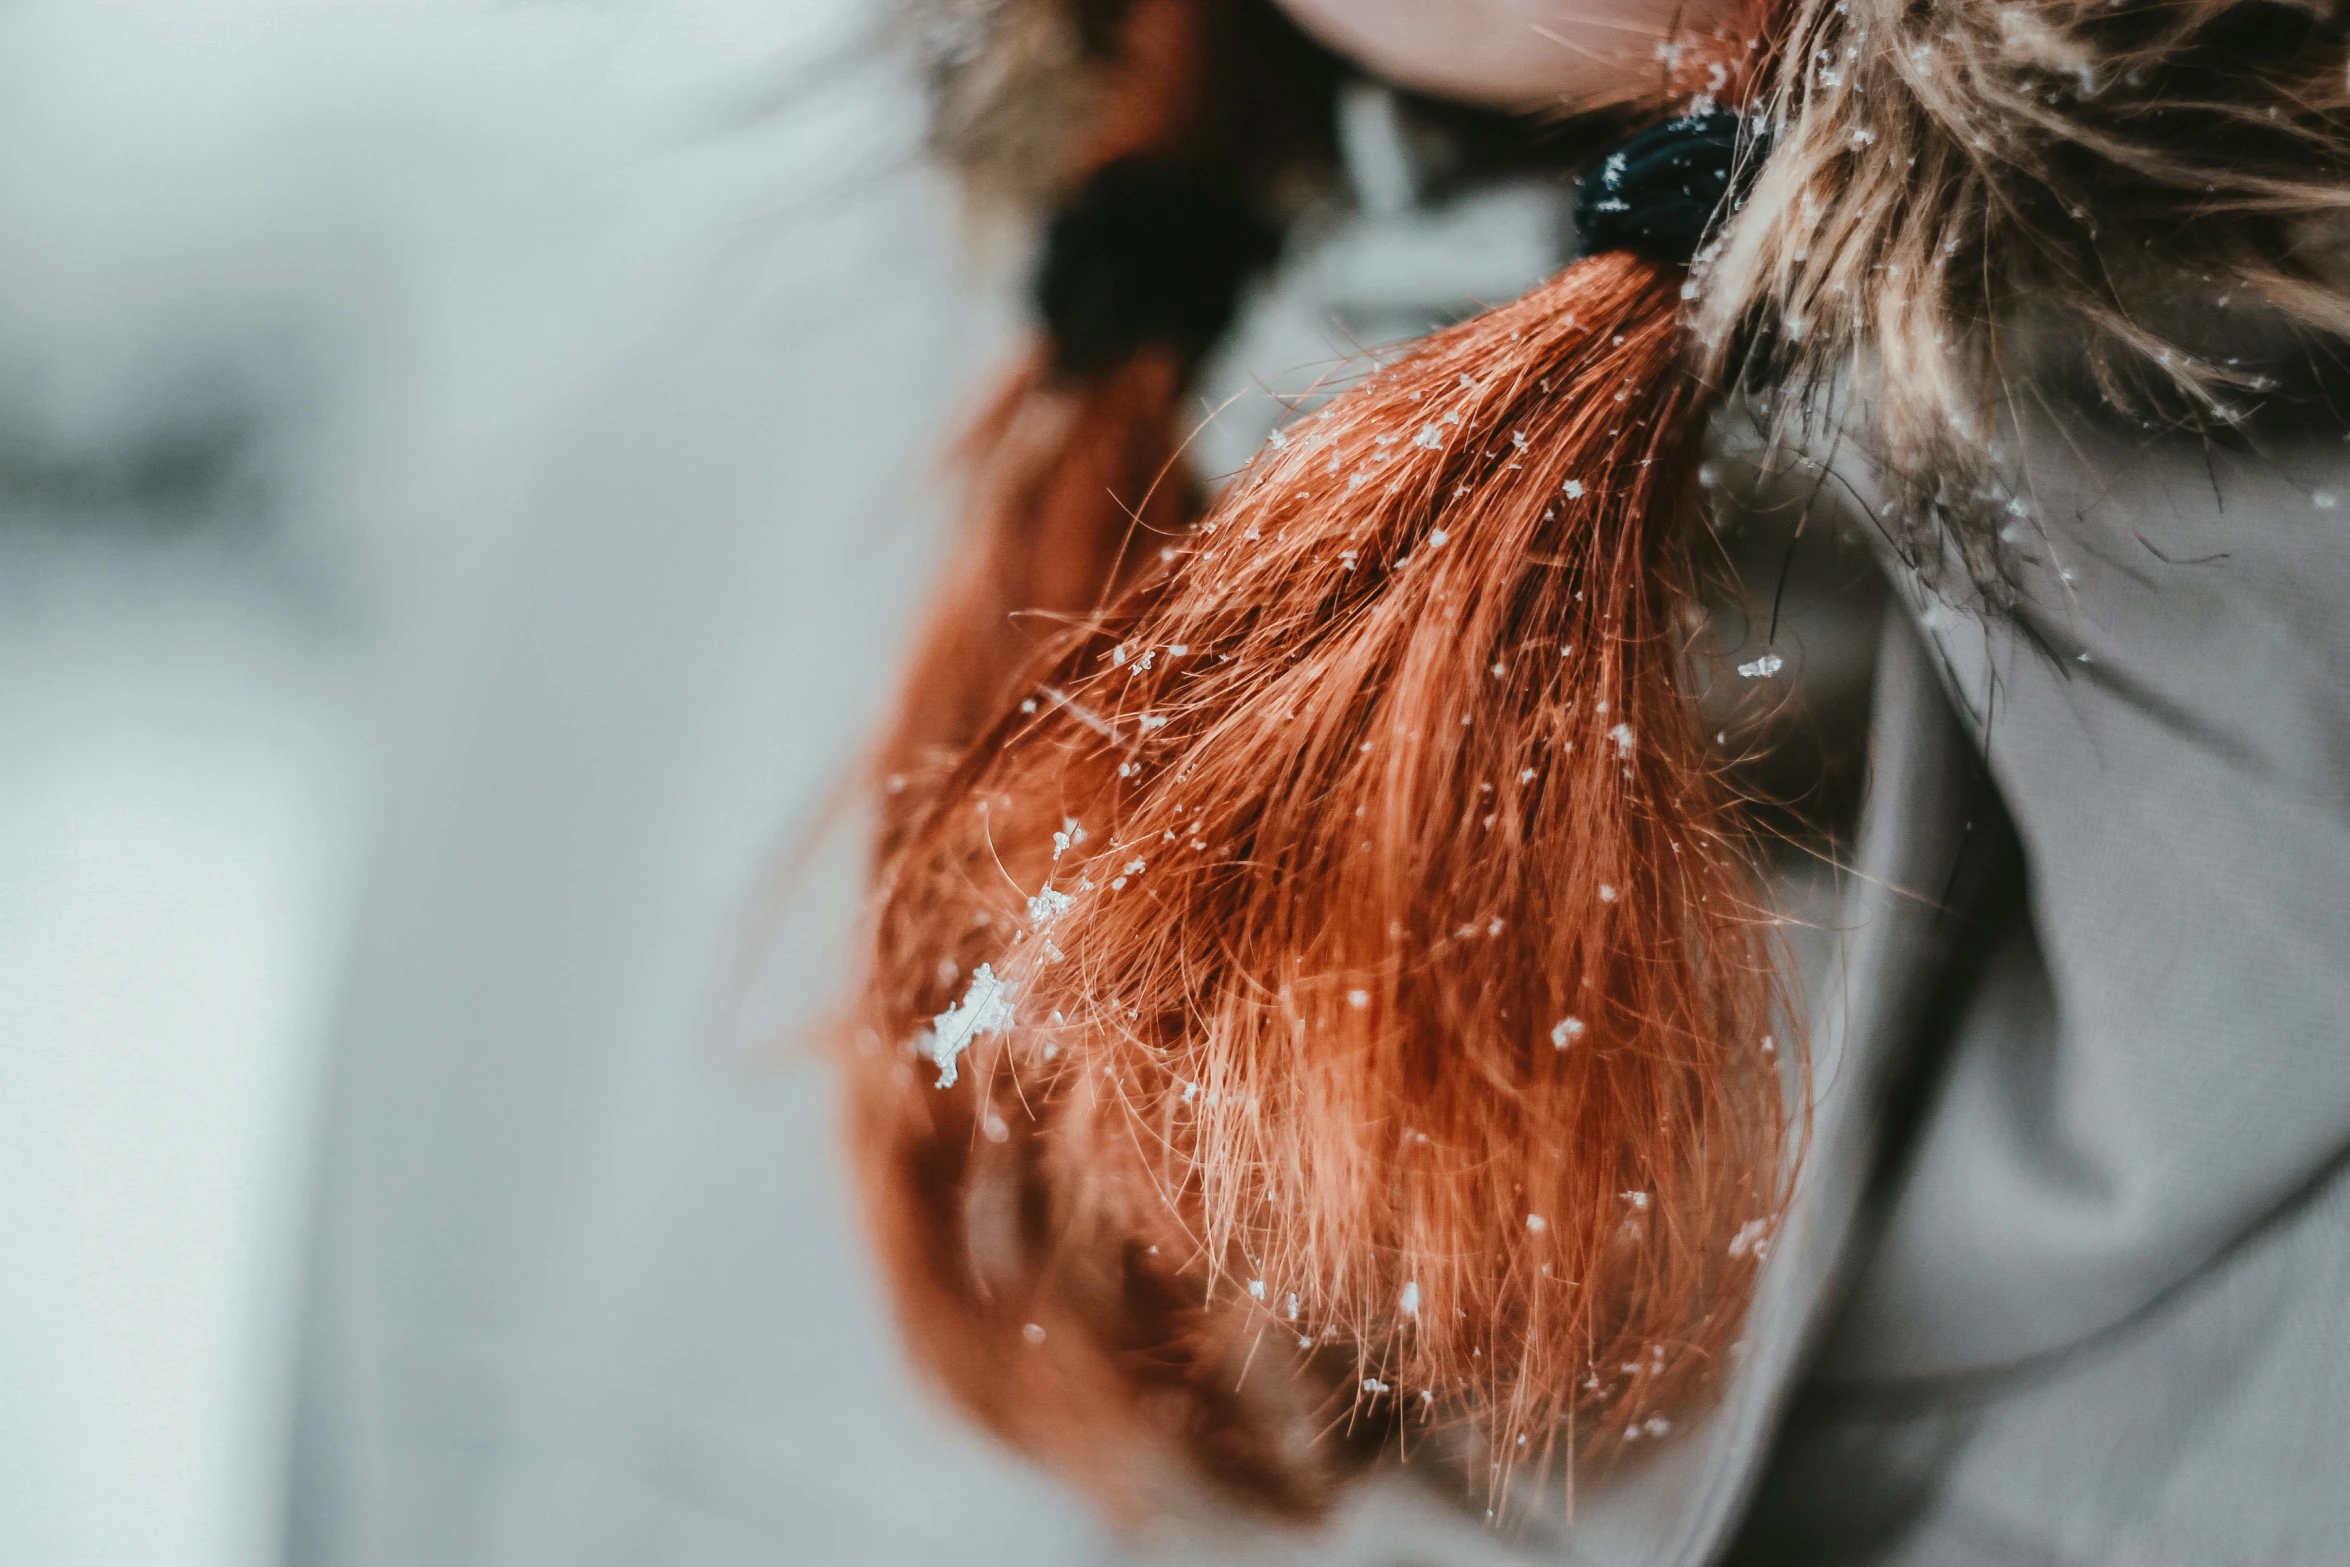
986 1008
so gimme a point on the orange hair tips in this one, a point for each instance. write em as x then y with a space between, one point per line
1330 996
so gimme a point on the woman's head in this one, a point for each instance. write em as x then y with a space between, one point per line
1321 997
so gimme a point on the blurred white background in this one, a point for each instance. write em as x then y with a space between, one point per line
291 296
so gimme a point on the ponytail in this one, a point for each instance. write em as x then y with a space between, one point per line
1209 112
1324 998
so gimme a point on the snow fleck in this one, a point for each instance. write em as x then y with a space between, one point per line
1638 1200
1033 1333
1436 538
1754 1236
1118 656
1374 1385
1763 668
995 1129
1622 736
986 1008
1608 892
1133 867
1048 906
1574 489
1289 1306
1190 1092
2323 500
1409 1302
1518 440
1256 1289
1569 1030
1430 439
1358 999
1278 441
1537 1223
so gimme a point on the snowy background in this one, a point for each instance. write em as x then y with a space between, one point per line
296 299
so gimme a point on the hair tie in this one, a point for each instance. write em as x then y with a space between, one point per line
1659 192
1147 251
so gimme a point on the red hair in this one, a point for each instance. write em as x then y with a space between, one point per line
1320 989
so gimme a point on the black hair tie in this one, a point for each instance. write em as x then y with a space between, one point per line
1658 193
1149 251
